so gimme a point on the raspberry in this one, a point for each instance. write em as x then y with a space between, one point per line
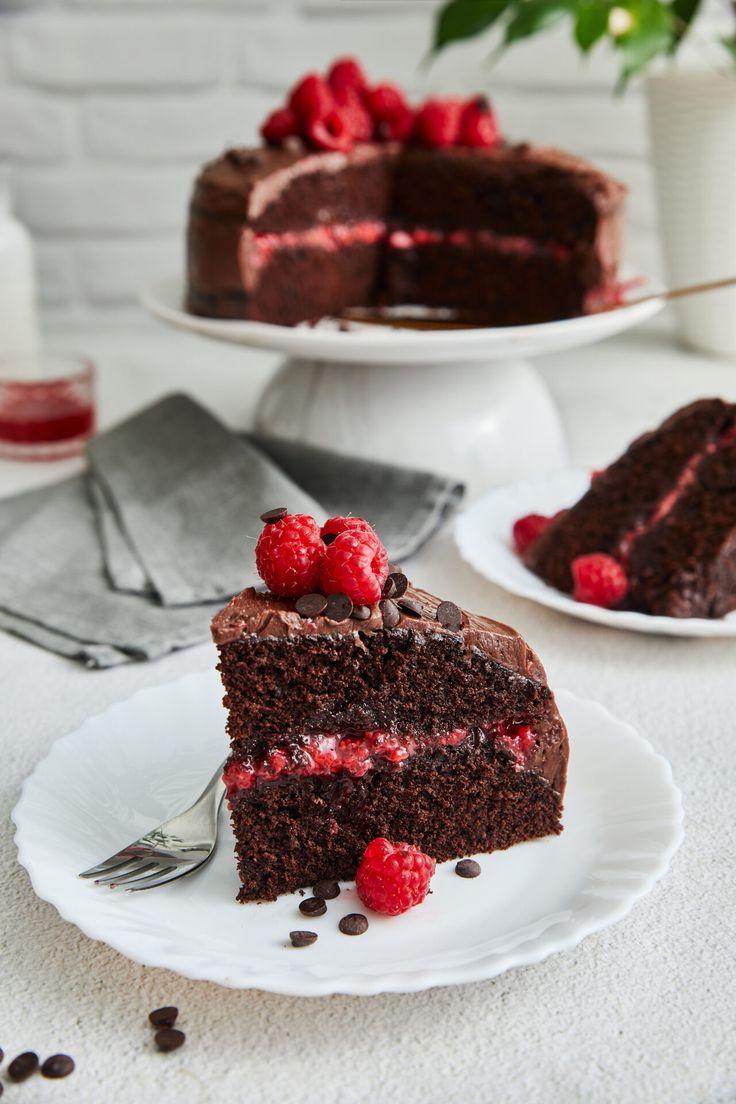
355 113
437 123
346 73
392 116
311 98
356 564
599 580
478 126
385 100
289 554
527 529
393 877
279 125
330 132
336 525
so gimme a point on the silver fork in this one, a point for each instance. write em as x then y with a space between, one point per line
175 849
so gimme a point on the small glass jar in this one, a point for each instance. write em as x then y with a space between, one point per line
47 406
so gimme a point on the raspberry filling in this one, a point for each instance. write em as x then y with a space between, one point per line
356 753
258 249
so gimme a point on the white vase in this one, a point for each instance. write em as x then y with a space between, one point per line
692 118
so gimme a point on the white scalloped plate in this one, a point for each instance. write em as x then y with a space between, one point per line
483 537
144 759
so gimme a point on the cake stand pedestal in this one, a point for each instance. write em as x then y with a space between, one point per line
463 402
485 424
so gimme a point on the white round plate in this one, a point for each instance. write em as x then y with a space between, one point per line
144 759
483 537
381 345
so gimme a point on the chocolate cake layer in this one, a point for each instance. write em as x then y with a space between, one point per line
667 511
450 802
538 194
493 288
287 677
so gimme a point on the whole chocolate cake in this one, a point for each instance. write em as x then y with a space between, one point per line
664 513
450 216
408 719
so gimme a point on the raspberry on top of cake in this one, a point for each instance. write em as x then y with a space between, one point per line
360 707
360 199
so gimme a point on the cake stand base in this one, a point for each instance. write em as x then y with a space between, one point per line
485 423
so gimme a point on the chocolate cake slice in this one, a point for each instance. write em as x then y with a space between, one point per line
502 236
666 511
409 719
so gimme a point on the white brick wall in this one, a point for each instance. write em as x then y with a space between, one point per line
107 107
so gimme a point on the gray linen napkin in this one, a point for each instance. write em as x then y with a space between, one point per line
131 561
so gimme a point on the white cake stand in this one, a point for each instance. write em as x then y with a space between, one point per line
462 402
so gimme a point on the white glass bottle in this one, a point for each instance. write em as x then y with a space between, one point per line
18 311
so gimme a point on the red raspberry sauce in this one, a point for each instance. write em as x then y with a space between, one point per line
45 412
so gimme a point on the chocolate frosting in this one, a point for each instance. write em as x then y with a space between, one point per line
253 613
243 181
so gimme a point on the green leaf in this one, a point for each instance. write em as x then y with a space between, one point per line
533 16
591 23
730 44
650 35
465 19
682 14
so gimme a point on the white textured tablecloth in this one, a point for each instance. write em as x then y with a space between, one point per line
642 1012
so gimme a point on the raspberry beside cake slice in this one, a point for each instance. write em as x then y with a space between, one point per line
408 719
663 516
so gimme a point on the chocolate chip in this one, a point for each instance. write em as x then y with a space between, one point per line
338 607
361 613
450 615
169 1038
389 588
410 606
302 938
313 906
389 613
400 582
467 868
276 514
327 889
355 923
58 1065
23 1066
164 1017
328 538
311 605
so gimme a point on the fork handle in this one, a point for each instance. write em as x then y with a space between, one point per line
213 791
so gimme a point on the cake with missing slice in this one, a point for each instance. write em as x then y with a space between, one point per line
356 199
656 531
398 716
